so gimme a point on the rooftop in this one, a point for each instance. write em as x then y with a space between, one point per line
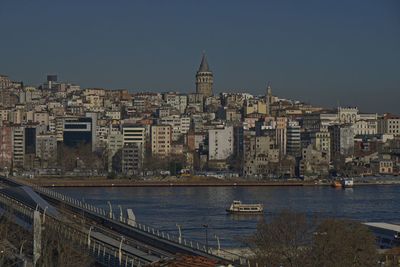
387 226
204 64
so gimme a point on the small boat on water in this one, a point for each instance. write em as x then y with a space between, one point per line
343 183
336 184
237 207
347 182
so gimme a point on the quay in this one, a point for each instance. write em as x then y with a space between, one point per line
103 182
134 183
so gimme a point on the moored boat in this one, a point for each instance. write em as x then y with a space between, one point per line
347 182
336 184
238 207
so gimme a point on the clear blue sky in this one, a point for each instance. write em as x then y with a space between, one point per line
323 52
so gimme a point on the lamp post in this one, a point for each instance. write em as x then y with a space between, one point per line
180 233
110 214
218 243
22 245
88 239
120 250
206 227
44 213
120 213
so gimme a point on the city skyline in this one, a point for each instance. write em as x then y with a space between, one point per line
199 133
330 54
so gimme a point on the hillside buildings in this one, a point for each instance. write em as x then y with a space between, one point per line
59 128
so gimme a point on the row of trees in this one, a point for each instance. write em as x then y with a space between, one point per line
82 156
292 239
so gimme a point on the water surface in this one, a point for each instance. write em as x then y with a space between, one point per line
191 207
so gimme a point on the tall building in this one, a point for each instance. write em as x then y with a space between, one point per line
77 131
115 142
321 142
293 146
31 132
8 98
6 147
46 148
281 134
134 134
314 162
204 78
18 146
220 143
161 139
238 141
342 140
93 117
179 125
260 156
30 140
176 101
389 124
131 159
5 82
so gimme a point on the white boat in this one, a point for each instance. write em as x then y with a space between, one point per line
347 182
238 207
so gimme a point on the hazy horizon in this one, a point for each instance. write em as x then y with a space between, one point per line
330 53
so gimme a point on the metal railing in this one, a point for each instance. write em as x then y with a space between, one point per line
193 245
101 251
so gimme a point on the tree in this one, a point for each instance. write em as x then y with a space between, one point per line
56 251
70 158
290 239
343 243
283 241
116 160
13 239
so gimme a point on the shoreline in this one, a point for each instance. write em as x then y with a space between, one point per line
95 182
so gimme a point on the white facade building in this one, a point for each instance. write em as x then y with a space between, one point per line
220 143
389 124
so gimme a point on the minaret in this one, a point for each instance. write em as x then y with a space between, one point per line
204 78
268 98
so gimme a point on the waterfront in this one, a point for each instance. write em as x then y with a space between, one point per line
192 207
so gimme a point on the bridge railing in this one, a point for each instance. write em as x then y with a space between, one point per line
193 245
102 252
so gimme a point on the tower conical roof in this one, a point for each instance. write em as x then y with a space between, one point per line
204 64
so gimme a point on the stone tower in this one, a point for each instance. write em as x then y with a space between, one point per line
204 78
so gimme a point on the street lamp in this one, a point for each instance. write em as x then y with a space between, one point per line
88 240
44 213
22 245
180 233
206 227
110 214
120 213
120 250
218 243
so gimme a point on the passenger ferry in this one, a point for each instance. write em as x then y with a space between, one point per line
238 207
